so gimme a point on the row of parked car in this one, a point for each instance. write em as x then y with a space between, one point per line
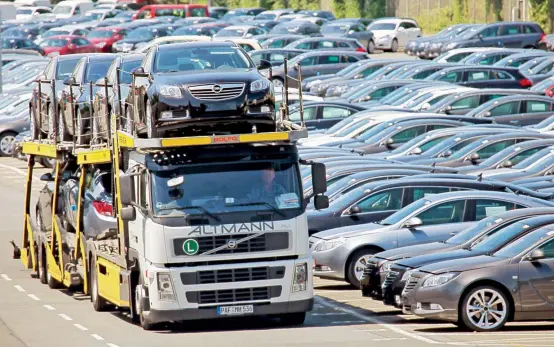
439 178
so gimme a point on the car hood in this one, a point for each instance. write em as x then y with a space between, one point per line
494 172
141 39
352 231
413 251
426 259
316 214
464 264
321 140
208 76
379 33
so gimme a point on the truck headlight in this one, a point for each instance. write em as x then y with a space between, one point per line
165 287
171 91
300 279
329 244
439 280
259 85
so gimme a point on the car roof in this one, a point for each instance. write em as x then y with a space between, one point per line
523 96
199 44
325 38
338 51
242 26
485 195
132 56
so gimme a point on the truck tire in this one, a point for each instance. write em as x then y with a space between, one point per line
98 303
51 281
291 319
146 325
42 265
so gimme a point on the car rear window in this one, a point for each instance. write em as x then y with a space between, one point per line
197 12
530 29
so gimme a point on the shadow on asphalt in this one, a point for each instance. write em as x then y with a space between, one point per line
508 328
337 287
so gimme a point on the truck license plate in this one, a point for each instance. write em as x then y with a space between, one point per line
234 310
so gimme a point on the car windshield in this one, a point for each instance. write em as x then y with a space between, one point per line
381 26
350 68
201 58
353 127
469 233
100 34
54 43
334 28
94 15
97 70
65 68
231 33
256 186
400 215
423 142
523 243
494 240
144 34
534 159
547 123
62 9
124 75
373 130
50 33
266 16
341 125
401 99
24 11
466 149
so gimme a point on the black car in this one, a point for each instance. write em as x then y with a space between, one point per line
489 58
375 201
9 42
74 120
59 68
486 244
353 30
104 107
417 46
502 34
518 59
378 266
326 43
371 91
483 77
140 37
275 56
203 82
206 29
323 114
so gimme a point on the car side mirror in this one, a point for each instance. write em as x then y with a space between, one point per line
449 108
355 209
41 78
139 72
447 154
535 255
321 202
128 213
401 29
47 177
413 222
507 164
366 98
416 151
264 64
70 81
72 46
488 114
474 157
295 67
127 191
480 36
388 142
319 178
425 106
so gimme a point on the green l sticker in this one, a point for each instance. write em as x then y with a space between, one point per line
190 247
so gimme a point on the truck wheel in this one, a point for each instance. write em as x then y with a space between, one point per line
290 319
51 281
151 130
146 325
98 303
42 265
356 265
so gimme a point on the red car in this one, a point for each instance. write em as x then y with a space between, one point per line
104 38
152 11
67 44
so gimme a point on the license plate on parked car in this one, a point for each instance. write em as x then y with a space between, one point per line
234 310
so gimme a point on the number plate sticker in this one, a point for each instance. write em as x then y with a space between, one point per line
235 310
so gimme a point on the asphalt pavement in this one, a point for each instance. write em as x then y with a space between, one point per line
33 315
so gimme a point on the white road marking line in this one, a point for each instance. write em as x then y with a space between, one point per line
80 327
348 322
49 308
390 339
16 170
329 314
375 321
19 288
64 316
5 277
112 344
97 337
34 297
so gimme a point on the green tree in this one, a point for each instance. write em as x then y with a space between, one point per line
541 12
495 7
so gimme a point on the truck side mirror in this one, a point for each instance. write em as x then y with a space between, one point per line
319 178
321 202
128 213
139 72
127 193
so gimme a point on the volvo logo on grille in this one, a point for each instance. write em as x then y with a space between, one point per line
216 88
232 244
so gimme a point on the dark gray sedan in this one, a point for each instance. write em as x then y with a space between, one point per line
483 293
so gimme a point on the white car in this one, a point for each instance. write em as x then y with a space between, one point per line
244 31
246 44
28 12
171 39
391 33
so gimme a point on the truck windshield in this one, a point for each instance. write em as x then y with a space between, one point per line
226 188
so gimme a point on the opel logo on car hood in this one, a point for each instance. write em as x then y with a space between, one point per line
216 88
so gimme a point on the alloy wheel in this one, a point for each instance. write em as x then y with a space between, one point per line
360 265
6 145
486 309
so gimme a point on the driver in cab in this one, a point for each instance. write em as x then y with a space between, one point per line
266 189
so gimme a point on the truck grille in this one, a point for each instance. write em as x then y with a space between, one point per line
273 241
233 295
233 275
217 91
390 278
411 283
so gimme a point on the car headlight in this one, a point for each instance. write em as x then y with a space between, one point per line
171 91
329 244
385 37
439 280
259 85
406 275
386 266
